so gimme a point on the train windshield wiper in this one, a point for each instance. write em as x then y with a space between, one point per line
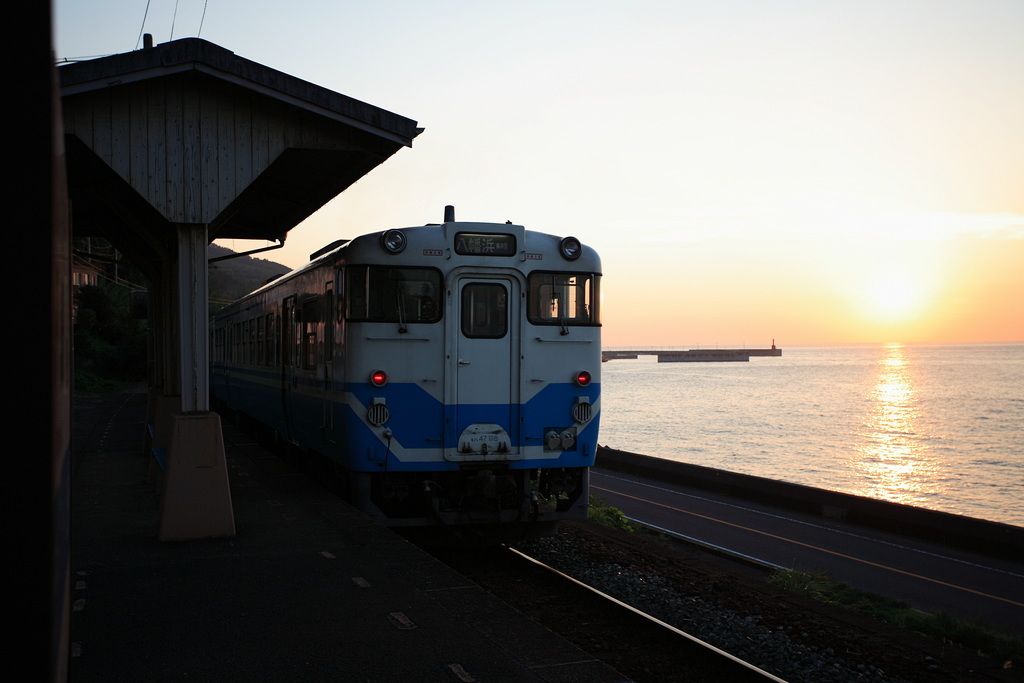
402 327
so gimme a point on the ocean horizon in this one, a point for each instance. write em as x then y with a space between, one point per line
937 426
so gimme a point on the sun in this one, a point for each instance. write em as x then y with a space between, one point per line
894 297
891 282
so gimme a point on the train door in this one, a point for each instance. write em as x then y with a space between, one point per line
486 367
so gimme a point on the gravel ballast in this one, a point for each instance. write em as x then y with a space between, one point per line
737 611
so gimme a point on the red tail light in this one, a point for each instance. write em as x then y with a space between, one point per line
583 378
378 378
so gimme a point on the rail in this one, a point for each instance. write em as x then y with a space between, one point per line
744 670
635 643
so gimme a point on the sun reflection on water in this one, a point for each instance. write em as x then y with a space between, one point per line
893 457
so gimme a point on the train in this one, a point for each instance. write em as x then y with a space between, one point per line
448 373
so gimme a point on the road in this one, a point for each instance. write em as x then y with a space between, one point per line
929 577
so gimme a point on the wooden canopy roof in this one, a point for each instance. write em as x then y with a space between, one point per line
187 132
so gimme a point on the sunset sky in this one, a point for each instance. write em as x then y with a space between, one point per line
808 171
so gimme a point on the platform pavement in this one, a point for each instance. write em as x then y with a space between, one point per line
309 589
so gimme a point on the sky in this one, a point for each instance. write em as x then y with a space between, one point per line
804 171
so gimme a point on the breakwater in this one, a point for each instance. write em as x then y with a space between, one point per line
691 355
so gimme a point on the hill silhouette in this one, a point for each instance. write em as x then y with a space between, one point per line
236 277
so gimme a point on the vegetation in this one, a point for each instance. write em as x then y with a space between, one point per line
939 626
607 515
109 344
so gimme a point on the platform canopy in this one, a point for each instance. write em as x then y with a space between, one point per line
188 133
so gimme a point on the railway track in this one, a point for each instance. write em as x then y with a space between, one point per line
790 639
634 643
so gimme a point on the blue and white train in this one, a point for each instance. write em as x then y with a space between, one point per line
449 372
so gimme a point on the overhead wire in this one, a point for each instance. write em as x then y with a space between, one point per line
174 19
142 32
202 18
143 27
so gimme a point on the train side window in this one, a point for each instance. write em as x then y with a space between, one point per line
484 310
252 341
263 339
268 336
327 338
275 348
563 299
355 292
288 333
247 341
339 300
310 325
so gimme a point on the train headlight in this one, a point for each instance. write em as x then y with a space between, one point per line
582 378
571 248
393 241
378 378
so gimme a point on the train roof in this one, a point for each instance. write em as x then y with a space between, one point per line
531 246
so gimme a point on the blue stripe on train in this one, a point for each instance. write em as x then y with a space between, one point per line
418 419
418 422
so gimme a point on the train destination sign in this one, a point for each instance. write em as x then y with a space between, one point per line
483 244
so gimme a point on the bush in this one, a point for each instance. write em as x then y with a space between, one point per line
607 515
939 626
109 345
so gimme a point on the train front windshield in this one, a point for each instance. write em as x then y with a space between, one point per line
400 295
564 299
414 295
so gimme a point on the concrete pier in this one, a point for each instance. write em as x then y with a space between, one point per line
692 355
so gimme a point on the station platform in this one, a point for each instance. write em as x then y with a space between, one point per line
308 589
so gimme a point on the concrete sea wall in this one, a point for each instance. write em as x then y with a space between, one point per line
978 535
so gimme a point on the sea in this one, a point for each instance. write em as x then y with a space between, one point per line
934 426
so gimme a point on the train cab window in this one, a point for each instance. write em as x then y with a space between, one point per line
399 295
563 299
484 310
